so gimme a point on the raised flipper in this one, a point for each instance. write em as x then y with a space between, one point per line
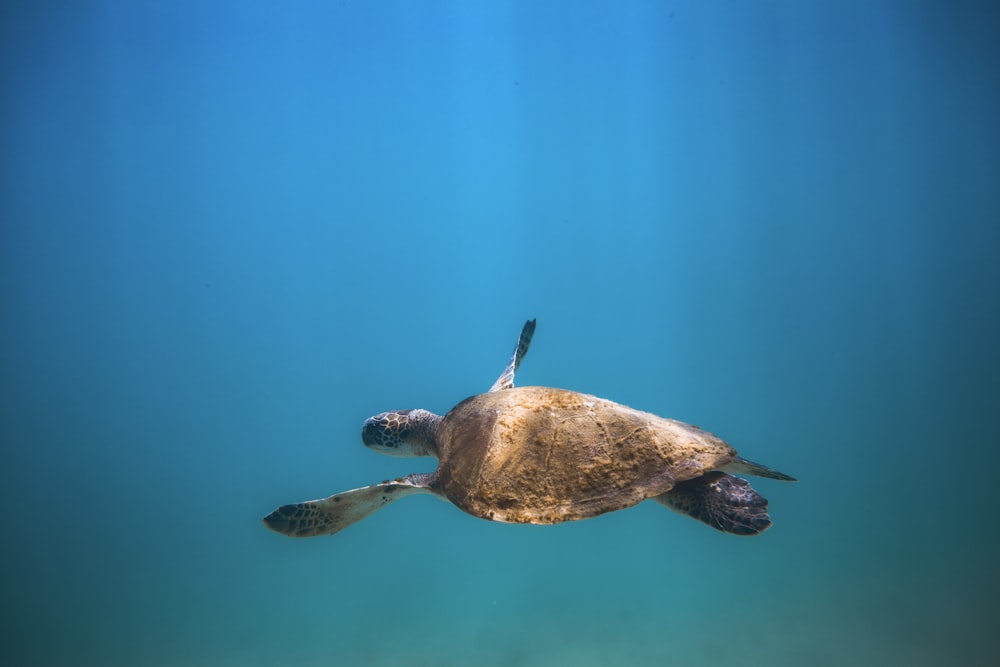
330 515
506 379
722 501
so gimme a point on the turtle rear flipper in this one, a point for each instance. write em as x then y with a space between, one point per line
722 501
327 516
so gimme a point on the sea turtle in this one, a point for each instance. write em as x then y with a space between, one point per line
542 455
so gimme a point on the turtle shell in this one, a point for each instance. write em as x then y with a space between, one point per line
543 455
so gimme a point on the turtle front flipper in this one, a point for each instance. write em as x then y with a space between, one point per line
741 466
506 379
330 515
722 501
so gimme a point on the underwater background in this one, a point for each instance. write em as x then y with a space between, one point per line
231 231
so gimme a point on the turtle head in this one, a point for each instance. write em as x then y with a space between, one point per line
402 433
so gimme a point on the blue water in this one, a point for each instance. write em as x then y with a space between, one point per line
231 231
